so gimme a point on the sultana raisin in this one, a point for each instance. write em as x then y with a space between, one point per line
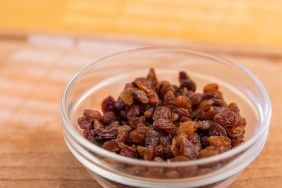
85 122
151 138
162 113
128 151
219 141
217 130
108 117
112 146
104 133
227 118
163 125
187 127
108 104
140 95
132 111
184 102
185 81
92 114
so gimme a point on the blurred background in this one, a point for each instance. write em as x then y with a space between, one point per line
236 22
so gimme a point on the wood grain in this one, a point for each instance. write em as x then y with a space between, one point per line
252 22
33 73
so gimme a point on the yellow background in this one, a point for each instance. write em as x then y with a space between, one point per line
246 22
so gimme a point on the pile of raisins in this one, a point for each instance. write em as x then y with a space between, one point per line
156 120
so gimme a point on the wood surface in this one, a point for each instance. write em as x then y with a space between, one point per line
247 22
34 71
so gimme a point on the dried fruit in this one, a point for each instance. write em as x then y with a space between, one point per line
128 151
151 138
219 141
184 102
104 133
85 123
159 121
108 104
187 127
164 125
162 113
112 146
227 118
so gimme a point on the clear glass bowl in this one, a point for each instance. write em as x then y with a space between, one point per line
108 75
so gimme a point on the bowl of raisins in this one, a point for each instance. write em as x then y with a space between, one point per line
165 117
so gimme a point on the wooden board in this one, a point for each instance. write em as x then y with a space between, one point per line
33 73
252 22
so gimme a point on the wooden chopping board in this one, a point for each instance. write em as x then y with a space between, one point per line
34 70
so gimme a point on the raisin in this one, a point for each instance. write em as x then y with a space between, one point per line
132 111
165 139
148 114
85 123
162 151
185 81
138 135
149 153
219 141
97 124
128 151
236 141
174 116
235 131
108 117
169 98
104 133
204 125
153 77
208 115
182 146
212 95
108 104
141 150
140 95
196 140
137 121
181 111
92 114
112 146
119 104
179 158
211 87
87 134
187 127
196 99
227 118
207 153
184 102
127 96
136 170
217 130
151 138
162 113
204 141
163 124
172 174
151 94
183 119
165 88
154 172
205 105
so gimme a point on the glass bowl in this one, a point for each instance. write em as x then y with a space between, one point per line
108 75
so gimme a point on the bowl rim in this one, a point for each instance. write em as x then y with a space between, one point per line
263 128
